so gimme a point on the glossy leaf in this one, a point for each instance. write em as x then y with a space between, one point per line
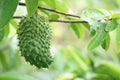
107 15
31 6
15 76
118 38
101 77
92 32
111 25
91 15
81 63
14 23
78 29
6 30
56 4
3 60
7 9
13 59
51 3
62 5
109 69
1 33
86 25
54 16
106 42
95 26
116 16
98 38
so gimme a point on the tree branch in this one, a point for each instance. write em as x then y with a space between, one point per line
61 21
17 17
52 10
68 21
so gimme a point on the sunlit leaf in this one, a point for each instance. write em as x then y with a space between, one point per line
118 38
13 59
54 16
101 77
14 23
109 68
51 3
91 15
15 76
7 9
86 25
1 33
116 16
98 38
60 6
6 30
31 6
3 60
92 32
82 65
106 42
106 13
78 29
111 25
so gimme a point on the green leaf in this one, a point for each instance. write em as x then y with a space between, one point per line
98 38
101 77
118 38
78 29
7 9
14 23
116 16
6 30
92 32
86 25
1 33
91 15
62 5
80 62
31 6
54 16
3 60
106 42
106 13
111 25
15 76
51 3
13 59
95 26
109 69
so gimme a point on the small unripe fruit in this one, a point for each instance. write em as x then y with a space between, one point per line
34 36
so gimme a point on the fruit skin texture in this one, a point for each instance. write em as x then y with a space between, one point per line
34 36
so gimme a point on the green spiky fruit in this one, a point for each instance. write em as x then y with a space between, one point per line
34 36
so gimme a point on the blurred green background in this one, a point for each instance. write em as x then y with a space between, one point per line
72 60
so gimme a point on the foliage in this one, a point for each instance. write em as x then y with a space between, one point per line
7 9
98 29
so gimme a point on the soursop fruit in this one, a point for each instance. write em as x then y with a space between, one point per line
34 36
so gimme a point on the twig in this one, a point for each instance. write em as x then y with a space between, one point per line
68 21
17 17
61 21
52 10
